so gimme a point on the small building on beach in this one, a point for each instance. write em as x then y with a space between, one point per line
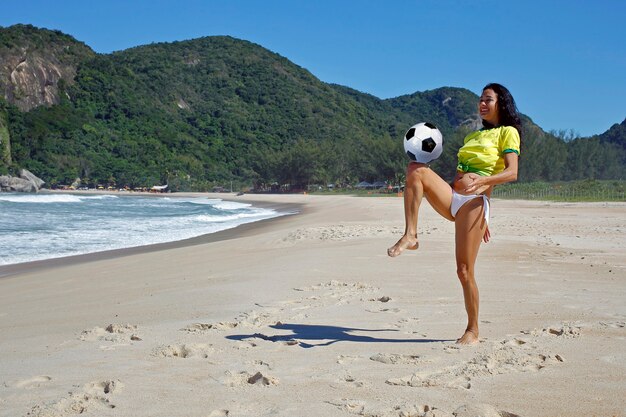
158 188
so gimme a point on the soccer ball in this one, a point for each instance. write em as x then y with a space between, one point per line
423 142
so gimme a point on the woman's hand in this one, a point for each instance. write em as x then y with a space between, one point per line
475 184
487 235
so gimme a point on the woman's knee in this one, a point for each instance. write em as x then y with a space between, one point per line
414 171
464 272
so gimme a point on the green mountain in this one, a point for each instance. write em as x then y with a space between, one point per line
209 111
616 134
602 156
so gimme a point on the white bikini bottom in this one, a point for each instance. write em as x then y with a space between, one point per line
458 200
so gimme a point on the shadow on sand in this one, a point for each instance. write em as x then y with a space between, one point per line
327 335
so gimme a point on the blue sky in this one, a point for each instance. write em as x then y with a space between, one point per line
563 60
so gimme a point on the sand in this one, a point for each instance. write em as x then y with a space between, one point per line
306 315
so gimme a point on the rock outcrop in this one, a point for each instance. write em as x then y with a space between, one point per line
33 62
27 182
29 176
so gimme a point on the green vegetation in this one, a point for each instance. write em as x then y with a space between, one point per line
567 191
217 111
5 143
585 190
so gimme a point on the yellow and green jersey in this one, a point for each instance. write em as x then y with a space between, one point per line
483 151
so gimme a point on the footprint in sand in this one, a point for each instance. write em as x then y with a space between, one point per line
261 363
383 299
351 286
500 358
219 413
203 327
244 344
94 395
565 330
103 387
258 318
351 381
260 379
423 379
435 412
184 351
483 410
364 408
33 382
406 321
248 319
384 310
112 333
452 349
351 406
285 340
515 342
238 379
341 359
613 324
396 359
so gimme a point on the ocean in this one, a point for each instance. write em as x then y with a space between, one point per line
45 226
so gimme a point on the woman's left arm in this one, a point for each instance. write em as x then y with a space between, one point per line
509 174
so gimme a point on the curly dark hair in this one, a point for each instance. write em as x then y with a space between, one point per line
507 110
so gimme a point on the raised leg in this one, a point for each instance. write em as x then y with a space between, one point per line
421 182
470 227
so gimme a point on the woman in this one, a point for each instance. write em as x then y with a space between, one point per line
488 157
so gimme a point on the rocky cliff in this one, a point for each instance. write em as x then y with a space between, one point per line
36 63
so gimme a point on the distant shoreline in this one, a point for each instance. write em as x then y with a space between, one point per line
289 209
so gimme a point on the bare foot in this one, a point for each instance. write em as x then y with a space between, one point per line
405 242
470 337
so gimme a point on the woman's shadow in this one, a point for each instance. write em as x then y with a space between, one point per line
329 334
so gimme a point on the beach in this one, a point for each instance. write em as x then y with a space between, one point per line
306 315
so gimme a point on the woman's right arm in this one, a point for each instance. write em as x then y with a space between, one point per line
509 174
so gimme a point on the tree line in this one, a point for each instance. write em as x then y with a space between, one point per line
218 110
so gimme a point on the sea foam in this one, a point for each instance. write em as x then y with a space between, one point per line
44 226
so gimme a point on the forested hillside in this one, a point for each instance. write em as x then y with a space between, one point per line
205 112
